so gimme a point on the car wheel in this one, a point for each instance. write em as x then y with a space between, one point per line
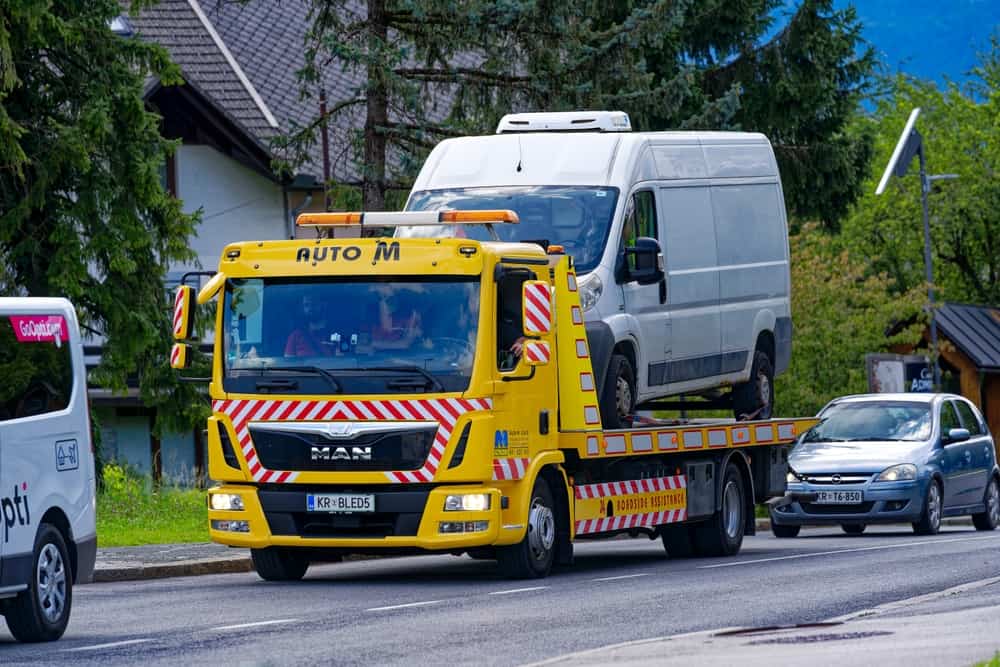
785 531
754 399
618 393
722 535
989 519
40 613
853 528
930 518
279 564
532 557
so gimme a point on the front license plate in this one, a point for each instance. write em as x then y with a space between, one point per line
839 497
340 502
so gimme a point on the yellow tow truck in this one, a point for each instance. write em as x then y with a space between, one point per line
438 395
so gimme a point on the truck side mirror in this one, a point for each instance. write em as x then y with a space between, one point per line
180 356
643 261
183 313
536 307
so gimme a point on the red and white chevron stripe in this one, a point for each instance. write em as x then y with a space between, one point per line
537 308
178 311
627 487
510 468
624 521
175 354
537 351
444 411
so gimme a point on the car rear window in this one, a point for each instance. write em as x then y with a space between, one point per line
36 365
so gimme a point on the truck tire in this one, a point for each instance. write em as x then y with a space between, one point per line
755 397
989 519
532 557
678 541
618 393
785 531
279 564
722 535
40 613
930 517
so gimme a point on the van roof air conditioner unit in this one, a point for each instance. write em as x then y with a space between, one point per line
569 121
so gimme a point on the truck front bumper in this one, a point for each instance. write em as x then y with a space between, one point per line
403 518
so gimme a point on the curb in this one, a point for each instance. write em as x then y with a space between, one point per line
181 568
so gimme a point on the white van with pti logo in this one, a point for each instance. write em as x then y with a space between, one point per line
48 536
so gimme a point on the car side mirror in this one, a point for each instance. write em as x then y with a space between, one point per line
644 261
957 435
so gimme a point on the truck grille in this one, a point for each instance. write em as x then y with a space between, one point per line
398 513
343 446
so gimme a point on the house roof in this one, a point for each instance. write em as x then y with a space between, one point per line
975 330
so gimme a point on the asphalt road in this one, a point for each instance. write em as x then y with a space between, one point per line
450 610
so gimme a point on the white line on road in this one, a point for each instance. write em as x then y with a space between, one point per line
404 606
814 554
256 624
519 590
624 576
98 647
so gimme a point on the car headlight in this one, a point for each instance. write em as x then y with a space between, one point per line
467 502
791 477
225 501
590 288
898 473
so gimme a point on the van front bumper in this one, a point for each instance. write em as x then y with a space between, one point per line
405 518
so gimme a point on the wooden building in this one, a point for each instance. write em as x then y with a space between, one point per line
969 341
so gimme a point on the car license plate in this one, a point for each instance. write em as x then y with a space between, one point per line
340 502
839 497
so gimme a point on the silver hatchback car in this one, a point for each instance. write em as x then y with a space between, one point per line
892 458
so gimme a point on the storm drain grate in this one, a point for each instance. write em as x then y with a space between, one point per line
812 639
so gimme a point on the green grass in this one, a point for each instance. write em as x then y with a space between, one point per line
131 512
995 662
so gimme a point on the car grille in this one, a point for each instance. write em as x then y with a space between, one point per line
296 448
856 508
841 478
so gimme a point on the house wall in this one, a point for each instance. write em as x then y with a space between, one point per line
125 439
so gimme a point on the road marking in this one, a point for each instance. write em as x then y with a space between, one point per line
98 647
814 554
404 606
519 590
624 576
256 624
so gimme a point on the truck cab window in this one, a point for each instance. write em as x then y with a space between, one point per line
510 329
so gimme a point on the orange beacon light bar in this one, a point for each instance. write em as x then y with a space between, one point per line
407 218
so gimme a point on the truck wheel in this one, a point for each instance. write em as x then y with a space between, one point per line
722 535
989 519
785 531
40 613
755 397
678 541
279 564
532 557
930 518
853 528
618 393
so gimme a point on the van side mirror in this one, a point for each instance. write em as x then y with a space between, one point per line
643 261
183 312
180 356
957 435
536 307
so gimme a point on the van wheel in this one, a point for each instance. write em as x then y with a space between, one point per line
722 535
755 397
40 613
618 393
279 564
532 557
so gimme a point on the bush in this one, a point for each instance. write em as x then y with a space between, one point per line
132 511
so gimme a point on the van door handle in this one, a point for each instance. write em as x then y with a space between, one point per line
663 290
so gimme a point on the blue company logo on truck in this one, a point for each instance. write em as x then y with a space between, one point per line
501 440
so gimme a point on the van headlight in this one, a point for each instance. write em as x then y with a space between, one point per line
899 473
590 288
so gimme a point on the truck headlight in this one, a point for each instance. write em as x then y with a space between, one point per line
898 473
225 501
467 502
590 288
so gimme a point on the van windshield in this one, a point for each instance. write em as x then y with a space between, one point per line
577 218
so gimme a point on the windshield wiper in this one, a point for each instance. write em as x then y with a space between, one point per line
430 379
315 370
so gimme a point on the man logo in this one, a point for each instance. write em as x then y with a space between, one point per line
341 454
500 440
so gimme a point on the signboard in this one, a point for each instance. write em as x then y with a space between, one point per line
899 373
40 328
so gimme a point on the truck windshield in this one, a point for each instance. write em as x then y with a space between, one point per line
336 336
577 218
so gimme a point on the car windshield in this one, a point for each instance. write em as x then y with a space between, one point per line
397 335
872 420
577 218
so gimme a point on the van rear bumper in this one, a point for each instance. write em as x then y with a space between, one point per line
86 557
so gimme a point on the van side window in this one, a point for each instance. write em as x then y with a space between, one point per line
640 220
36 365
969 420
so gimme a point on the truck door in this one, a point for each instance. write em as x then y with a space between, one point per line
646 303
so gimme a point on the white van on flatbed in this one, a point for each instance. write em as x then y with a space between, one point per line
705 207
47 482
